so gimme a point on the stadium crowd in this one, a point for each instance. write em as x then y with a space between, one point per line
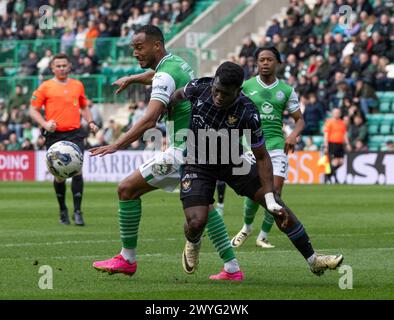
331 62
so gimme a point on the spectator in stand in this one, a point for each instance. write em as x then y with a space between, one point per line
357 130
91 35
366 95
30 132
313 115
43 64
13 144
248 47
18 98
15 121
29 66
360 146
389 146
67 40
273 29
74 59
27 145
80 37
325 10
40 144
186 10
309 145
4 133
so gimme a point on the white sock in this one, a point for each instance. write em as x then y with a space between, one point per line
262 235
129 254
231 266
220 205
311 259
247 228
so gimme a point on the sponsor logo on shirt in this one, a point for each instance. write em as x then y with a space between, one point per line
267 108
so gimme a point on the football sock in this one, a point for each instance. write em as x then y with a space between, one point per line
300 239
77 190
221 186
250 210
217 233
129 254
311 259
231 266
60 190
129 221
267 225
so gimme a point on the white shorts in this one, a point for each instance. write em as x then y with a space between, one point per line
280 162
162 171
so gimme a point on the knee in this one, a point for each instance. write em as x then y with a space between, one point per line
197 223
126 191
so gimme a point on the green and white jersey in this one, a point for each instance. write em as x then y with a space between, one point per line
173 73
272 101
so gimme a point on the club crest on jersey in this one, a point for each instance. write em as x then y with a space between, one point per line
267 108
280 95
186 183
231 120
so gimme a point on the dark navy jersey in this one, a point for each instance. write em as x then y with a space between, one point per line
227 124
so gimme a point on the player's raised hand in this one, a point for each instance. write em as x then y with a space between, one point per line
290 144
122 83
102 151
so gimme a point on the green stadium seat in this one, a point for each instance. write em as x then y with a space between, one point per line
385 129
318 140
373 147
385 106
375 118
373 129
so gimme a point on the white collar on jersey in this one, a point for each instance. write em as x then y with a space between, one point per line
267 86
162 60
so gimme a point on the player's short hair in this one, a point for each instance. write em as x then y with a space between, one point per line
152 32
60 56
272 49
230 74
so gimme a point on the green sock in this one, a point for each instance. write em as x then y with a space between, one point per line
129 221
218 235
250 210
267 222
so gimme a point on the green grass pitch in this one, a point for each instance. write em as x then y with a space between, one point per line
354 220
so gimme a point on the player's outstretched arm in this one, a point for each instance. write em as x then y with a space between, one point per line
148 121
141 78
291 140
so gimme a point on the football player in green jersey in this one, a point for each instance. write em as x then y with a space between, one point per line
272 98
169 72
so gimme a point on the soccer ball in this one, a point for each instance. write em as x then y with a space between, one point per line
64 159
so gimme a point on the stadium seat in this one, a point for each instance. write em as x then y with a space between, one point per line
385 106
373 129
385 129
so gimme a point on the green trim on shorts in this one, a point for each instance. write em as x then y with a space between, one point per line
149 178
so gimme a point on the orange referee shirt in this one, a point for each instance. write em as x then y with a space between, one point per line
336 130
61 102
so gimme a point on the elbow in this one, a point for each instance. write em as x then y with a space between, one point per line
150 123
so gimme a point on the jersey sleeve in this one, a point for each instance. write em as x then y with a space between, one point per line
163 86
190 90
254 124
293 104
38 97
83 101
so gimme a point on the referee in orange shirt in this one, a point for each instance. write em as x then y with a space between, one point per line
64 101
335 141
